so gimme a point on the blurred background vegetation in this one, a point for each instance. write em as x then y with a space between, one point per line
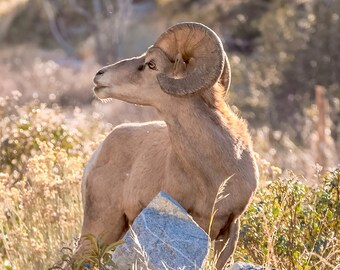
285 64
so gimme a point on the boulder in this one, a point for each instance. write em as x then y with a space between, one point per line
163 236
245 266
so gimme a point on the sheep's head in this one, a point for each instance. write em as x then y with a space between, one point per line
185 60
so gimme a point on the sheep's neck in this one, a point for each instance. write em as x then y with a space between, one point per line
200 139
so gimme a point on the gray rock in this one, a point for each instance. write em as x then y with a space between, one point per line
163 236
245 266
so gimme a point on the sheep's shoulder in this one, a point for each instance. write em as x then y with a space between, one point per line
126 144
128 139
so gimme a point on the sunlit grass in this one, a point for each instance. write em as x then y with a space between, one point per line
40 215
43 153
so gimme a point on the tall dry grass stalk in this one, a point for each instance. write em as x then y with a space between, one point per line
213 257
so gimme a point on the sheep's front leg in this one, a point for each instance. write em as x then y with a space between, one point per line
226 243
104 217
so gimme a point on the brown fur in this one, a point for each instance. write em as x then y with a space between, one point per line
200 144
238 127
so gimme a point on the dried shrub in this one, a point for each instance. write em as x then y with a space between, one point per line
24 127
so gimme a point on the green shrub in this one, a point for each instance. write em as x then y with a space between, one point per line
291 225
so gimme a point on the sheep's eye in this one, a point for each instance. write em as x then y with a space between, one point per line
152 65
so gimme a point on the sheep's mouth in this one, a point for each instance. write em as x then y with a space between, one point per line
100 91
98 88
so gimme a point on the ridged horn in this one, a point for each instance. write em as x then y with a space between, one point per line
201 49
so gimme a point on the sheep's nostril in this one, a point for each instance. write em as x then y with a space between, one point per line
100 72
98 79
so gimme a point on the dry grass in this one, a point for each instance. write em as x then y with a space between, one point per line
37 218
43 152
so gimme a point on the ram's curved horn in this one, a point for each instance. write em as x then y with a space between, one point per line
226 75
201 50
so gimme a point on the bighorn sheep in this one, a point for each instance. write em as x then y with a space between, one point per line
185 76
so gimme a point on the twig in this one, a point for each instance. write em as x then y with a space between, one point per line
323 260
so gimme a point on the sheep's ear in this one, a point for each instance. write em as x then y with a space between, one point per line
180 67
